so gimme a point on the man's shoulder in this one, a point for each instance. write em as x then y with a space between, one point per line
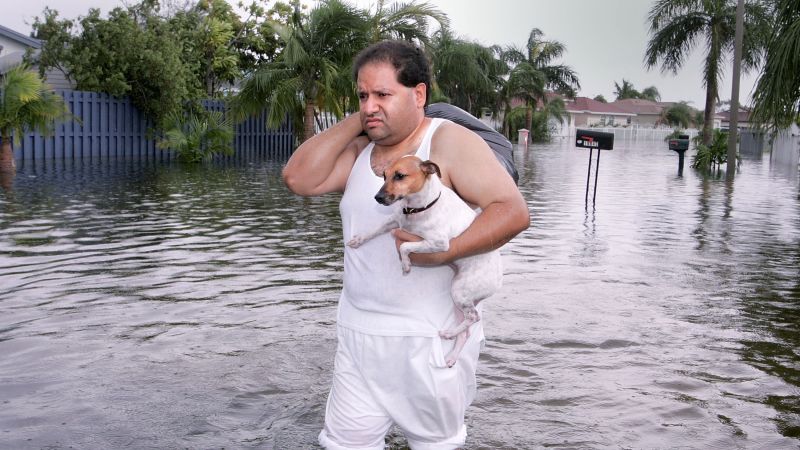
451 137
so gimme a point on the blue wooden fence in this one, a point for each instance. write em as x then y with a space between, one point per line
112 127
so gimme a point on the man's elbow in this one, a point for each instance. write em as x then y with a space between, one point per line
294 182
521 218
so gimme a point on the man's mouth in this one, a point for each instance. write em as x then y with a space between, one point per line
371 122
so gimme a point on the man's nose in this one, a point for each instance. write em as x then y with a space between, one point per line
369 105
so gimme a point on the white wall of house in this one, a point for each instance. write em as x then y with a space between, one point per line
10 46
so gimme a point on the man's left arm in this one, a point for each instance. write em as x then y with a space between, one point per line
470 168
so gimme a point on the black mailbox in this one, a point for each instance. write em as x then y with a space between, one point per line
594 139
681 144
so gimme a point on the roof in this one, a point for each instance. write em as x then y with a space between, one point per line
639 106
588 105
19 37
744 115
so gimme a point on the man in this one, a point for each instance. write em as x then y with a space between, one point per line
389 365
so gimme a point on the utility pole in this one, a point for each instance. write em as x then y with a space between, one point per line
733 122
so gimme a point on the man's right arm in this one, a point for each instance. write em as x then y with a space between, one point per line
322 164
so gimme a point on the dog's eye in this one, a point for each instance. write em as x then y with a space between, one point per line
399 176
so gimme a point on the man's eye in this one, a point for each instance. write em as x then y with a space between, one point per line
383 94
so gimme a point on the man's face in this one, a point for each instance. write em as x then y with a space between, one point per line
390 112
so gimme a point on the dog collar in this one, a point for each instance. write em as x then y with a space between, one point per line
416 210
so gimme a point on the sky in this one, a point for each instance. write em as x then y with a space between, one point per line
605 39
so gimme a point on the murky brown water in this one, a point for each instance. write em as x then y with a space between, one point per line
147 306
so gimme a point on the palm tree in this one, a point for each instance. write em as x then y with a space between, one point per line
626 90
26 104
405 21
676 26
466 73
540 55
318 49
777 94
198 136
650 93
680 115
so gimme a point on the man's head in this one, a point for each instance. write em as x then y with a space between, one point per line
392 81
407 59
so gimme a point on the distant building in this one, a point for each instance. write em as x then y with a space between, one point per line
647 112
13 47
743 119
587 112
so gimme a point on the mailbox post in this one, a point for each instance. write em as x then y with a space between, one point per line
680 145
591 139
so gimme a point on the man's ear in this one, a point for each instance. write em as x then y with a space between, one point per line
429 167
420 94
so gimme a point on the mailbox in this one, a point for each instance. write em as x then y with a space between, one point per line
600 140
681 144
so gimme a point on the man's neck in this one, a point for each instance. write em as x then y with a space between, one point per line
410 143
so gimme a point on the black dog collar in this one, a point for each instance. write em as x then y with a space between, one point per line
416 210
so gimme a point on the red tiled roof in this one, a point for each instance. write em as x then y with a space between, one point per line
744 115
588 105
639 106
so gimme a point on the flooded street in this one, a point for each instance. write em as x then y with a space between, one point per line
149 305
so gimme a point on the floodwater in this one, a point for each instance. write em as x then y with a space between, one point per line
159 306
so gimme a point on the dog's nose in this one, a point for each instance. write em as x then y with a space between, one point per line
380 197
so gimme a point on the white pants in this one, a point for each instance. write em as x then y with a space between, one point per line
381 380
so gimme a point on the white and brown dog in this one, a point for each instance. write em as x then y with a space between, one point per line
435 213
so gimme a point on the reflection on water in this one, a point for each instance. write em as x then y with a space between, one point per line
165 306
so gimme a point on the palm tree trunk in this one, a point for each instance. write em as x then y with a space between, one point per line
528 117
6 155
708 117
737 67
308 121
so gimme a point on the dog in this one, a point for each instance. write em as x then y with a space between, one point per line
435 213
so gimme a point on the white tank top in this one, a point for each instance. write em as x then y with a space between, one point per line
376 297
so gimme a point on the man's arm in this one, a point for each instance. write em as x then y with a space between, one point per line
471 169
322 164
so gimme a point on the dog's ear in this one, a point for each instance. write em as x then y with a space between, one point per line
430 168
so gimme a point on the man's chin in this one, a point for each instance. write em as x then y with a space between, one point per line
376 135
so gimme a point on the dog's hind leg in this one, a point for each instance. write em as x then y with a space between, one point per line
458 345
470 316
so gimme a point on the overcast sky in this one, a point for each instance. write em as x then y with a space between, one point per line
605 39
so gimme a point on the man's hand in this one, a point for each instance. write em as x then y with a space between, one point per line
419 259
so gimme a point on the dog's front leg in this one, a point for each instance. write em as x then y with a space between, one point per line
425 246
359 239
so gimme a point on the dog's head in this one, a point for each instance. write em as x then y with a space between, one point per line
404 177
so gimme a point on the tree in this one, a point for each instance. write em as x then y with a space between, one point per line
318 49
132 53
777 94
198 135
626 90
540 56
678 115
466 73
207 33
676 26
404 21
650 93
600 98
26 104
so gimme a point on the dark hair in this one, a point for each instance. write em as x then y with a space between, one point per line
408 59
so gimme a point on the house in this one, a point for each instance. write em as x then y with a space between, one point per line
743 119
14 46
586 112
647 112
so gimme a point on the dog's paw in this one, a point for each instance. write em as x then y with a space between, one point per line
355 242
447 334
406 263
